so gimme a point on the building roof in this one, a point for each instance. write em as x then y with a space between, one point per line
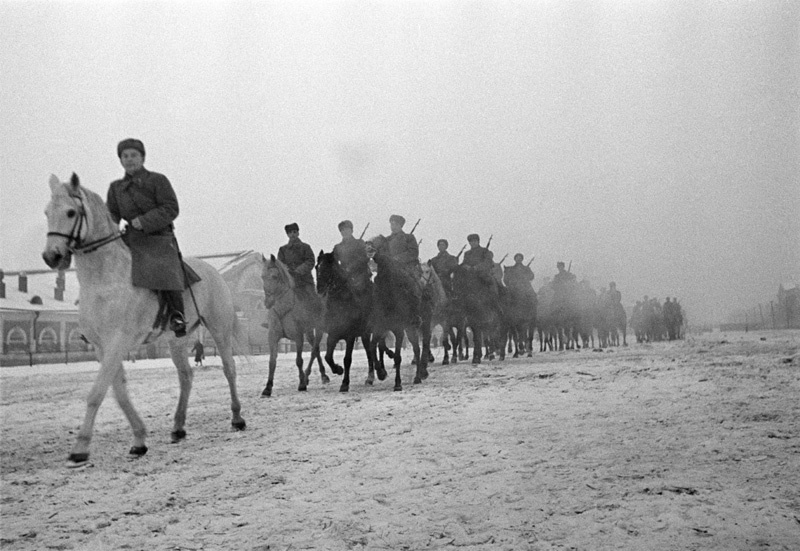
41 283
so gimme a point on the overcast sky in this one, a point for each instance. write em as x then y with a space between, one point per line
651 143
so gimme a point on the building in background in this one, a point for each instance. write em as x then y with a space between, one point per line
39 313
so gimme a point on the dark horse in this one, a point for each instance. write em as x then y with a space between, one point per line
392 312
481 310
347 312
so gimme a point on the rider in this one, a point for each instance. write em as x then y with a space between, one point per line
480 260
404 250
351 253
299 259
443 264
147 202
519 276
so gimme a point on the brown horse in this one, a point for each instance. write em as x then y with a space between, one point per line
115 316
290 316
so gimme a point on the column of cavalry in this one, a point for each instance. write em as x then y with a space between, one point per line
375 290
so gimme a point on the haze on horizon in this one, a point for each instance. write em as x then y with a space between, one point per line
650 143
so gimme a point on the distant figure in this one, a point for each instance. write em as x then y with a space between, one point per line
198 353
480 260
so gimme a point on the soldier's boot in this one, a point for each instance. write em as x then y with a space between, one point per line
177 320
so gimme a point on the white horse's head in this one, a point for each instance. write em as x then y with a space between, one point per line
66 224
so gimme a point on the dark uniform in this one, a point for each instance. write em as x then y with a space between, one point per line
156 262
563 285
404 250
299 258
351 253
518 277
481 261
443 264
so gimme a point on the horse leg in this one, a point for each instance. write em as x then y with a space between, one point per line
185 378
348 361
477 343
372 358
298 361
398 344
330 347
273 362
110 365
315 353
123 399
229 369
421 372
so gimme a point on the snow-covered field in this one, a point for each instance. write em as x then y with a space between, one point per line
688 445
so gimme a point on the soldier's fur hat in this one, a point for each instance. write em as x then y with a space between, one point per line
446 244
519 255
397 218
345 224
560 264
473 237
130 143
291 227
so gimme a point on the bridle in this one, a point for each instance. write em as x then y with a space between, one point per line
75 243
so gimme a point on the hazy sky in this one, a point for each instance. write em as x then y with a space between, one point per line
653 143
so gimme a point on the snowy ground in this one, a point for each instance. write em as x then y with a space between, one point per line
689 445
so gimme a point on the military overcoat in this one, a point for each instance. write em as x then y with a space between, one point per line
149 197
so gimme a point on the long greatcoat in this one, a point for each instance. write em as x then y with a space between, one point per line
149 196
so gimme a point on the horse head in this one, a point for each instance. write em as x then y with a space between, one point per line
76 217
276 279
326 270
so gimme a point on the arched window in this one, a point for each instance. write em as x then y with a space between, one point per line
76 340
48 340
16 339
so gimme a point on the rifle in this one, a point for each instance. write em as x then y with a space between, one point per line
459 252
419 242
501 260
569 269
490 241
363 232
530 261
415 225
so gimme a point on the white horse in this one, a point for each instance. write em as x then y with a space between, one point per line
115 316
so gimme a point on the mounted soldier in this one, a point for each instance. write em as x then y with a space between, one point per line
299 259
480 261
351 254
147 202
443 264
404 250
519 276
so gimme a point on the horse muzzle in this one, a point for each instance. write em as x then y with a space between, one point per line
57 260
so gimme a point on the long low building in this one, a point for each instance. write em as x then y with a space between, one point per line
39 312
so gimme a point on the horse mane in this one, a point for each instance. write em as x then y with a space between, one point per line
93 201
284 271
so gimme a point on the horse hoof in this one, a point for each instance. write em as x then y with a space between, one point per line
417 380
369 382
398 388
445 362
326 379
337 370
344 388
266 393
177 436
77 460
381 374
302 388
138 451
239 425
